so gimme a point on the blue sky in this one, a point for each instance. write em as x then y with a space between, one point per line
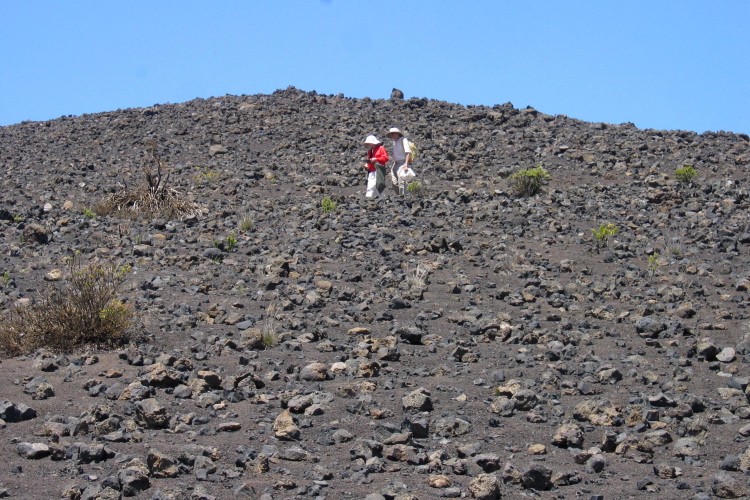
662 64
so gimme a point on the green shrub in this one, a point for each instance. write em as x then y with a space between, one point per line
686 174
208 176
604 233
529 181
88 213
231 242
415 188
653 264
328 205
84 310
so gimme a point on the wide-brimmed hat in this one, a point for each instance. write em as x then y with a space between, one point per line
394 130
371 139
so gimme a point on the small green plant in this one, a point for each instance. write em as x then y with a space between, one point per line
653 264
228 244
138 239
17 218
268 339
6 277
529 181
231 242
122 271
88 213
328 205
604 233
209 176
686 174
415 188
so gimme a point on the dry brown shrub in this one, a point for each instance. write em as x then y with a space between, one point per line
84 310
154 199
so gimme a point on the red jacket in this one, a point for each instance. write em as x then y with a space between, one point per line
379 154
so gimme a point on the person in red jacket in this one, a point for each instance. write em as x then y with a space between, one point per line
377 157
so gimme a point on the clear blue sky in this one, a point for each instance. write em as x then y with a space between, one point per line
663 64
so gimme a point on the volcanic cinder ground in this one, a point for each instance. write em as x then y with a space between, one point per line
460 342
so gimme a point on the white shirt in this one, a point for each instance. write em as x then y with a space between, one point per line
401 148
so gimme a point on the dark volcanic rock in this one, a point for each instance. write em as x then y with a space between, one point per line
293 339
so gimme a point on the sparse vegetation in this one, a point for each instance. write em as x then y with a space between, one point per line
247 223
88 213
653 264
417 277
82 310
510 261
686 174
328 205
228 244
604 233
268 335
415 188
154 199
231 242
529 181
208 176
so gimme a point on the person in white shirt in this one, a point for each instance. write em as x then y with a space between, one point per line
401 157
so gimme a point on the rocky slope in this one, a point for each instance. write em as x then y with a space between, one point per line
460 343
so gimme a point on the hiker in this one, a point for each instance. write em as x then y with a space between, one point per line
401 158
377 158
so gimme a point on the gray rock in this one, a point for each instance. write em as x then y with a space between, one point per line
12 412
596 464
161 465
151 414
730 463
132 481
417 401
723 485
537 477
485 487
568 436
315 372
33 451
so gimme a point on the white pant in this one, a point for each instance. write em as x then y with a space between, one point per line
372 178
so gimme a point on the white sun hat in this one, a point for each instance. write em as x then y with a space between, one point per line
394 130
371 139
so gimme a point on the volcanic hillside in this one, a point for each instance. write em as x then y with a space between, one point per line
293 339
